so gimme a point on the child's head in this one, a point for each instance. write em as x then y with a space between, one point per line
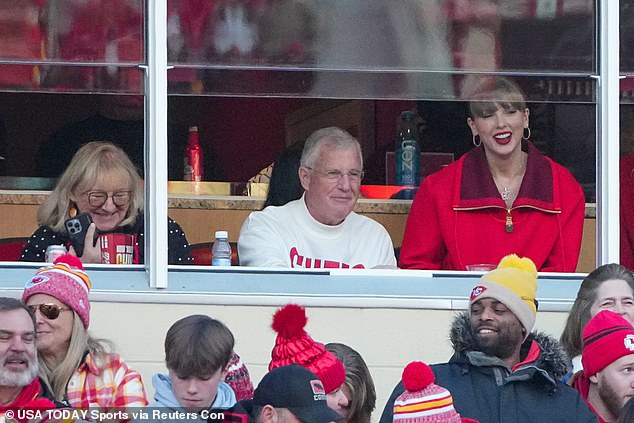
197 351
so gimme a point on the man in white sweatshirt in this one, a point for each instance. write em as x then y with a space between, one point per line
319 230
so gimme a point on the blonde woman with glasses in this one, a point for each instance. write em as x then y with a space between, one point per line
101 182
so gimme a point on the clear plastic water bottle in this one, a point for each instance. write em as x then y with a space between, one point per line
221 251
407 151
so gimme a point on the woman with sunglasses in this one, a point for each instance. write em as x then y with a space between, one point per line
101 181
76 367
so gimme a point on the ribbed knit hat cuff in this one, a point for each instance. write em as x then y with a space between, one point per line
605 352
525 314
333 376
606 338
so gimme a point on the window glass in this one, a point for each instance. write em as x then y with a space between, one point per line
626 138
108 31
626 20
370 48
41 40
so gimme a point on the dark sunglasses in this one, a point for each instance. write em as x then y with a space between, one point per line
50 311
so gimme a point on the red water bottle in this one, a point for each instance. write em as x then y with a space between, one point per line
193 169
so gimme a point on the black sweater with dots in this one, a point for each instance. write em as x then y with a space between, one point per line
178 247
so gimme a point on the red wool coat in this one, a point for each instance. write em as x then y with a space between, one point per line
458 217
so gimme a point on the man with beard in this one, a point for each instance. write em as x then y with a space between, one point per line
607 379
501 372
19 385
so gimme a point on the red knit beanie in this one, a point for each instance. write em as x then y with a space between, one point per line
294 345
606 338
66 281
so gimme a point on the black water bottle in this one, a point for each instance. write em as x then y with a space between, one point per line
407 151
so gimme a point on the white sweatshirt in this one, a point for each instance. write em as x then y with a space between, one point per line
288 236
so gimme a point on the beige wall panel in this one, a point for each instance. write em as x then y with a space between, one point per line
18 220
200 224
588 257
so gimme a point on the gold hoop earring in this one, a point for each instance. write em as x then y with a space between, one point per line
476 140
524 136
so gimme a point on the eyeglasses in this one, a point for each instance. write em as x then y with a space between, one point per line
50 311
335 176
99 198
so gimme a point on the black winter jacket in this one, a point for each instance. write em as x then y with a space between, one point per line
484 389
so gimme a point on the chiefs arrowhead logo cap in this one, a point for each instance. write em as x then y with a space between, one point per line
477 291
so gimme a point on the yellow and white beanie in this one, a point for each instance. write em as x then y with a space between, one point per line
514 284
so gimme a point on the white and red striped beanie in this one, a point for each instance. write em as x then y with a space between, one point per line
66 281
423 401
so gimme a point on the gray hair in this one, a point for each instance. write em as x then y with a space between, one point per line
332 136
579 315
10 304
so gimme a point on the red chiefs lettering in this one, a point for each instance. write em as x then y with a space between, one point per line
298 260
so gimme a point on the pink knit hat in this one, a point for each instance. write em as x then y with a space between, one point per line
66 281
423 401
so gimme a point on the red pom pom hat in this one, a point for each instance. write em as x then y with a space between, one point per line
294 345
66 281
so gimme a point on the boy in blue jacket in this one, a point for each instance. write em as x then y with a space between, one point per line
197 353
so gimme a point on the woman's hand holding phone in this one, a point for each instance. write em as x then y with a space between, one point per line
92 250
81 231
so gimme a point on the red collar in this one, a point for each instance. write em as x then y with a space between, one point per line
533 354
29 398
476 187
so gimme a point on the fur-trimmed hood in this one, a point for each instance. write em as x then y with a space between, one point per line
552 358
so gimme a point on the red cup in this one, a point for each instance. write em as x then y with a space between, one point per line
117 248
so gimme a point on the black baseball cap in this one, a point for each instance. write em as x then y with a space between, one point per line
297 389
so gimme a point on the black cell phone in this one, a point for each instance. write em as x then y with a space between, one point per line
77 227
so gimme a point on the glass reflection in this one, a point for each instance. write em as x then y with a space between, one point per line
72 31
408 34
383 45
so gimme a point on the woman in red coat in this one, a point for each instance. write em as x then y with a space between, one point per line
501 197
